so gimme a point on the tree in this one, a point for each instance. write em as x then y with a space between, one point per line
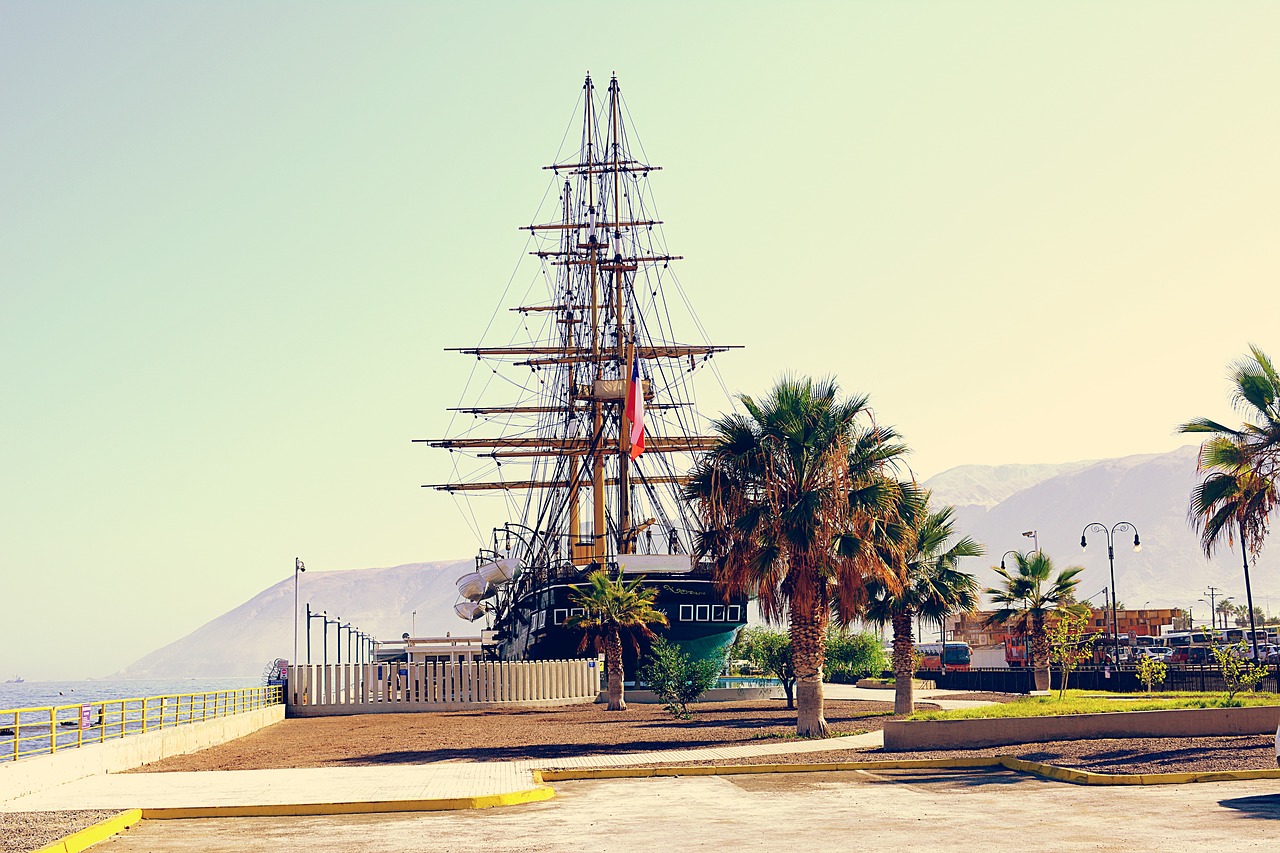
853 655
613 609
1238 493
676 678
929 586
1225 609
1238 672
792 499
1028 595
771 652
1151 671
1070 642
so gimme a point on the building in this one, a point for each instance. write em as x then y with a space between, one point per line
969 628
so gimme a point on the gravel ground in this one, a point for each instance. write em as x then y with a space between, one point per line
495 735
21 832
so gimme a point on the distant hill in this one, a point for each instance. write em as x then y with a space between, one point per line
379 602
997 503
1150 490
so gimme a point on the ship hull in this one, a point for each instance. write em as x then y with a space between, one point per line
700 622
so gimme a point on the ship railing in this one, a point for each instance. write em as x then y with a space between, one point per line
25 732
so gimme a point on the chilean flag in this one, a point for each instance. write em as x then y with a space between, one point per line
635 406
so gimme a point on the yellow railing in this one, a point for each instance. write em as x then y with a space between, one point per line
41 731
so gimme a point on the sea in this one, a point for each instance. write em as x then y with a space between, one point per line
41 694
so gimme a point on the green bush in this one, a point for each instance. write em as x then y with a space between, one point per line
676 678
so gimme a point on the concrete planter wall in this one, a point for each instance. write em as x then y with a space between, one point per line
900 735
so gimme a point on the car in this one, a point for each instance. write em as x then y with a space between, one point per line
1160 653
1191 655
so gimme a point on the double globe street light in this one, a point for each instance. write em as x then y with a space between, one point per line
1110 533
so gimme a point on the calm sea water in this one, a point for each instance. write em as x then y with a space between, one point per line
38 694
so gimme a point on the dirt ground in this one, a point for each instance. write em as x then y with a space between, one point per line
23 831
496 735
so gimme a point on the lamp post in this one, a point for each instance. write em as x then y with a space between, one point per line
413 623
298 568
1119 526
1034 536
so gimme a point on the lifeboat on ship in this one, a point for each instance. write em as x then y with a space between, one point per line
473 587
498 572
469 610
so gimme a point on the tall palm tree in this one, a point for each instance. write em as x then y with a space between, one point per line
1238 494
792 497
612 609
1255 394
931 587
1028 594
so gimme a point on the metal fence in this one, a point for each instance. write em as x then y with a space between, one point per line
1111 679
25 732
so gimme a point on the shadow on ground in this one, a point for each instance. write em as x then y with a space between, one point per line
1267 806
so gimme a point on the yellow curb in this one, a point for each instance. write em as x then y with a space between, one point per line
86 838
532 795
1085 777
561 775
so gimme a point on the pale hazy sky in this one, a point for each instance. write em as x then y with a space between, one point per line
235 237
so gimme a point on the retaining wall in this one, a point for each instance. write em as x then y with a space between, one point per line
39 772
902 735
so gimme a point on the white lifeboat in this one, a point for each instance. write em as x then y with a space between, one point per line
473 586
500 571
469 610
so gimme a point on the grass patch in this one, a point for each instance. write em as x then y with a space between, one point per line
1089 702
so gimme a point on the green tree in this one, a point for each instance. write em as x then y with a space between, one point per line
792 499
1027 596
1070 642
1238 672
1238 493
676 678
1151 671
771 652
853 655
929 585
613 609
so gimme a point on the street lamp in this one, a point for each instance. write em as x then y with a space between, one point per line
1120 526
413 623
298 568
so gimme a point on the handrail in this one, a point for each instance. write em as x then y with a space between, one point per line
51 728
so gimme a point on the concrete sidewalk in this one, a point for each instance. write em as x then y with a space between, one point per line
391 784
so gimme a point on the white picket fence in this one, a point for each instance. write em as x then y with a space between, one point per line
369 688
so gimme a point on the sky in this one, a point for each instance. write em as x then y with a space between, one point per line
236 237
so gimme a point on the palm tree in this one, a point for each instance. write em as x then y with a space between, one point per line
1255 393
612 608
1238 493
931 587
792 498
1029 594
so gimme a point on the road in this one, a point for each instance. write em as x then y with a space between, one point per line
889 810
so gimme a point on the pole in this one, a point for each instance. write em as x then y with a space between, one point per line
1115 622
298 568
308 633
326 638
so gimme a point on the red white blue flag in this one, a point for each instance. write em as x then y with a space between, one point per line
635 406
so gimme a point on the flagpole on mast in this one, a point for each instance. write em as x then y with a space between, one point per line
624 454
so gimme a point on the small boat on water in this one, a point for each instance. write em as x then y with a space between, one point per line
17 679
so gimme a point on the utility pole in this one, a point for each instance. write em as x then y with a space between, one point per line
1213 611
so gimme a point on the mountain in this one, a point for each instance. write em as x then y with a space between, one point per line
1151 491
996 503
380 602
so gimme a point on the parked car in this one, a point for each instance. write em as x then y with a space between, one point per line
1160 653
1191 655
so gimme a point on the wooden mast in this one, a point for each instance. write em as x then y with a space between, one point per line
624 364
598 543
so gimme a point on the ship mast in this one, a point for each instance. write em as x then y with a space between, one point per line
593 325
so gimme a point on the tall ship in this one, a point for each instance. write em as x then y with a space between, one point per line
581 423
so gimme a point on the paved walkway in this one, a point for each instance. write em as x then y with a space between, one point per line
395 783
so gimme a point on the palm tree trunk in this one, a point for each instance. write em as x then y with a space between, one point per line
1039 642
1248 594
904 697
808 647
613 665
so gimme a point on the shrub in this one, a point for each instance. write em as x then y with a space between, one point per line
1151 671
676 678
